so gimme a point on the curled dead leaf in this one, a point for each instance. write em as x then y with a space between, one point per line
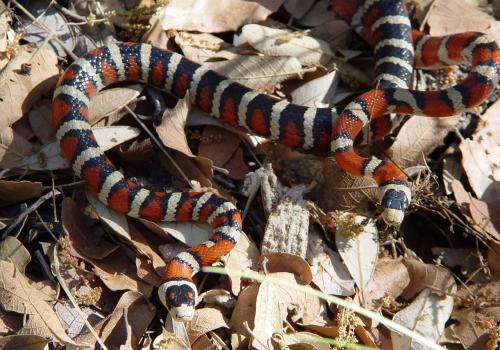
426 275
286 262
204 321
484 216
126 325
389 279
18 191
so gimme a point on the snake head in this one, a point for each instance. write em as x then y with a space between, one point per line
395 197
179 297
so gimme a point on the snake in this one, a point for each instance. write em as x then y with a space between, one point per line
398 50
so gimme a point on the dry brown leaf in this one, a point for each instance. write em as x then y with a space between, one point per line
298 8
204 343
18 191
481 295
170 341
11 249
257 72
218 144
318 92
335 32
171 129
346 192
83 238
146 271
389 279
474 326
29 75
110 104
269 316
189 233
10 322
278 42
467 259
5 22
273 304
356 239
484 215
197 169
205 320
374 338
481 156
319 13
118 273
209 17
286 262
170 250
411 148
144 247
116 221
219 298
199 47
243 315
329 272
329 331
494 257
126 325
111 265
17 294
423 275
427 315
447 17
236 166
13 148
23 341
244 256
137 153
40 120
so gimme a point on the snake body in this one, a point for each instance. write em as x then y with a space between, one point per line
383 23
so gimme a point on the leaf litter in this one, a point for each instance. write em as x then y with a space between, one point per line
306 222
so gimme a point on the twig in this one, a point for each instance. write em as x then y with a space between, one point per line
30 210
